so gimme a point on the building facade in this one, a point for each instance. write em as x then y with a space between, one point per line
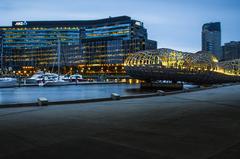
92 47
211 38
231 50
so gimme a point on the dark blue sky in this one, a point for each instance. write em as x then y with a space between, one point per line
174 24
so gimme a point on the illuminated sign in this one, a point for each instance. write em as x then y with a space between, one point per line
20 23
138 23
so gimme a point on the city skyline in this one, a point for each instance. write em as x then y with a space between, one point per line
173 24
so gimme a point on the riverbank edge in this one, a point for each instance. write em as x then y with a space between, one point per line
158 93
70 84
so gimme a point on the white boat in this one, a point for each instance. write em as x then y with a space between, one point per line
36 78
41 77
74 78
51 79
55 82
8 82
48 78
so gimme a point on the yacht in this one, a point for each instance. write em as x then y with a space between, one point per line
52 79
36 78
73 78
8 82
54 82
41 77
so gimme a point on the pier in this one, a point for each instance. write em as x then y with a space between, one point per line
201 125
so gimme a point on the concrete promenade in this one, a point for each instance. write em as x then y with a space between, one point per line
194 125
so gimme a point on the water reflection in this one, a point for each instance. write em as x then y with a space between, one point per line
30 94
73 92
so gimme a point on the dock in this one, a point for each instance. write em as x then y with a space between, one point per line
201 125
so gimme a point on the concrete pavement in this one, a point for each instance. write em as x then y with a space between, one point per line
195 125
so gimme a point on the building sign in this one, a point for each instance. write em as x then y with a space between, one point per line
138 23
20 23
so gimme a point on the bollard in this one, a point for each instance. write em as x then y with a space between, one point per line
42 101
215 86
186 89
160 92
115 96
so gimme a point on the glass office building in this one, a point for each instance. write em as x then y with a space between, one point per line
211 38
231 50
91 47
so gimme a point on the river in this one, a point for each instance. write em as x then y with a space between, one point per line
61 93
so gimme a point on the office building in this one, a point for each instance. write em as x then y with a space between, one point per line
231 50
90 46
211 38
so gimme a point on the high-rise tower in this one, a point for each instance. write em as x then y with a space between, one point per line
211 38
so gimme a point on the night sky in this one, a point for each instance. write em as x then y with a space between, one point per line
174 24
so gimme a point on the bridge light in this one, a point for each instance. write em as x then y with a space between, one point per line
130 81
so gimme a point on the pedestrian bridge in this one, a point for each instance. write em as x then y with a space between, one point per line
172 65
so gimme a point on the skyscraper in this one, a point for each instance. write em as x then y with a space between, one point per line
211 38
231 50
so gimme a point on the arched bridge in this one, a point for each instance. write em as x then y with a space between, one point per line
168 64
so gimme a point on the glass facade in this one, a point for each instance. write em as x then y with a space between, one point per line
90 46
106 31
231 50
211 38
37 47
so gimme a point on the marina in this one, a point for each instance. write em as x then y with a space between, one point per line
120 79
190 126
82 91
72 92
7 82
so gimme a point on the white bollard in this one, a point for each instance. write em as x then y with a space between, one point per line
42 101
115 96
160 92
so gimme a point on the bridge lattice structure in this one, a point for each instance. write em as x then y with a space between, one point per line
168 64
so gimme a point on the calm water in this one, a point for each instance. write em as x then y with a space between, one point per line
30 94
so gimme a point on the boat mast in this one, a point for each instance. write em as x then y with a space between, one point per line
2 53
59 56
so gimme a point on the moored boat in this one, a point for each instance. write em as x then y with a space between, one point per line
36 78
55 82
74 78
56 79
8 82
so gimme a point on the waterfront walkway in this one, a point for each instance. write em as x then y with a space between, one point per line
196 125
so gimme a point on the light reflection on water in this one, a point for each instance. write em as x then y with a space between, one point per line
73 92
30 94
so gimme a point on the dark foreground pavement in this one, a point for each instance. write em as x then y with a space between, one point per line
197 125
